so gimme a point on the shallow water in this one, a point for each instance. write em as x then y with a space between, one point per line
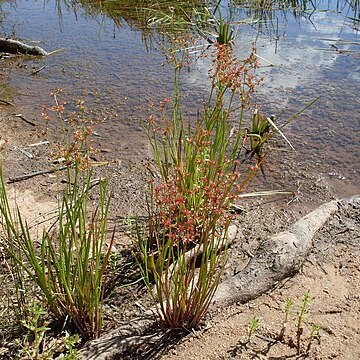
315 53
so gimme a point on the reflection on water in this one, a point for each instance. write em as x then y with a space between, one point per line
112 59
270 16
153 18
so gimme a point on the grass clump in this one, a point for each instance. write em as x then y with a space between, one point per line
182 251
67 262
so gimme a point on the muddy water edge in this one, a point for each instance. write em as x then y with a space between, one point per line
118 69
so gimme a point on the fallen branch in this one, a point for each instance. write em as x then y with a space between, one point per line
6 102
127 342
33 174
20 116
18 47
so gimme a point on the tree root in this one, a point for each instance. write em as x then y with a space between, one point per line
198 250
279 257
120 341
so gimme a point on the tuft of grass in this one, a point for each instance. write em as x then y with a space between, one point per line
182 250
68 263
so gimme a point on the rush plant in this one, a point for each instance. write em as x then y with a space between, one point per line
182 250
68 263
199 164
203 164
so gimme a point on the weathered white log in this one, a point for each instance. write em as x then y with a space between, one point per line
278 257
18 47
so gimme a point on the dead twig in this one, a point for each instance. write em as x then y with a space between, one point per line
6 102
38 70
20 116
26 153
39 143
33 174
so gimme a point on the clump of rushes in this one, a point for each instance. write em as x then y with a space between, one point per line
182 251
68 263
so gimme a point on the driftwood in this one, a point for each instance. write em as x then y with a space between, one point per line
18 47
278 258
122 341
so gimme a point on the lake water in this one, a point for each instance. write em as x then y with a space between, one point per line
314 53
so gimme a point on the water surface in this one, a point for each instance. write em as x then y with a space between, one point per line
307 52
